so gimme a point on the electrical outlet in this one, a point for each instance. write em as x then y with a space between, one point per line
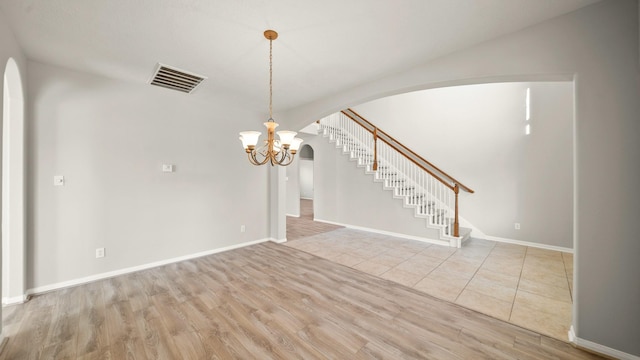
242 228
99 253
517 225
58 180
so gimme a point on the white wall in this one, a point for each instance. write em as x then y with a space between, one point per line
306 178
597 46
109 139
293 188
476 133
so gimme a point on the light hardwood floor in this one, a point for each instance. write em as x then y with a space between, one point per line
265 301
526 286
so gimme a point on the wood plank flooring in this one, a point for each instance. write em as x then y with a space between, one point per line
304 226
266 301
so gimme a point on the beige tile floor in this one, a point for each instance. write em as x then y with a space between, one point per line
525 286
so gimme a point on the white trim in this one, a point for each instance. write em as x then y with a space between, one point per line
601 349
306 198
13 181
530 244
574 173
389 233
292 215
87 279
20 299
278 241
572 335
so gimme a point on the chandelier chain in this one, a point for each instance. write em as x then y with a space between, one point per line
270 79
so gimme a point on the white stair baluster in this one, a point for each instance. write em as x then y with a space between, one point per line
439 200
430 197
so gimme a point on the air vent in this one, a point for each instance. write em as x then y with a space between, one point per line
176 79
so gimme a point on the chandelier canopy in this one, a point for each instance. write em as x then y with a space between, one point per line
276 152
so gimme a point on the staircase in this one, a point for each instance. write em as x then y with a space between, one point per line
420 185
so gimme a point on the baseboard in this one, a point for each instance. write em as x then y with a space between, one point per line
530 244
306 198
21 299
599 349
388 233
293 215
572 335
278 241
110 274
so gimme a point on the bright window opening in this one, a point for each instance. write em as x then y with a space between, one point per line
527 128
528 104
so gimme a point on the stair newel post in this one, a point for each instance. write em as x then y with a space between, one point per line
375 149
456 224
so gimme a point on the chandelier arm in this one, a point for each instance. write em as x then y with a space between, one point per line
254 159
288 162
264 161
284 156
273 157
264 152
289 156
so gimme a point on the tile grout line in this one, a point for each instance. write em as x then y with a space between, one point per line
524 258
474 274
567 276
405 260
430 271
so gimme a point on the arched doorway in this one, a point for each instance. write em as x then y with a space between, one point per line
13 187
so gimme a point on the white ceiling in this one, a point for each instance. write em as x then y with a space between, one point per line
324 46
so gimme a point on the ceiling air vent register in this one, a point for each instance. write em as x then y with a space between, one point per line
175 79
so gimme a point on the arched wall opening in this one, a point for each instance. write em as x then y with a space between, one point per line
529 153
13 187
513 151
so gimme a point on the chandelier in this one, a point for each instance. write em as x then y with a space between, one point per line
277 152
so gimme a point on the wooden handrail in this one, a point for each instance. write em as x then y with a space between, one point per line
375 150
451 187
376 129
